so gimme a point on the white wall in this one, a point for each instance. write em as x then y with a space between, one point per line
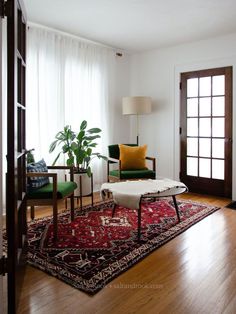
120 123
156 73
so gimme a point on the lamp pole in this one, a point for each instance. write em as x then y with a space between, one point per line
137 117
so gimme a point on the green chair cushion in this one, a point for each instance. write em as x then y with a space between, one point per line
45 192
134 174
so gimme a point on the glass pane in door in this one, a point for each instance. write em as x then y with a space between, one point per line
205 127
218 127
205 106
192 87
192 147
192 127
192 166
205 86
192 107
204 167
218 106
205 147
218 167
218 148
218 85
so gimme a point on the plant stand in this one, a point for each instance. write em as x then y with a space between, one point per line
81 190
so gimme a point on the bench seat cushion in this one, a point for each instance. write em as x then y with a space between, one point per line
45 192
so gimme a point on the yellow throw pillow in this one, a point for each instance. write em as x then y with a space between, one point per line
132 157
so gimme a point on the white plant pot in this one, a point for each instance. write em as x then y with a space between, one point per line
84 184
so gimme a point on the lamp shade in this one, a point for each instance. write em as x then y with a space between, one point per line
136 105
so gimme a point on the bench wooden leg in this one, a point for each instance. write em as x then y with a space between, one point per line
176 207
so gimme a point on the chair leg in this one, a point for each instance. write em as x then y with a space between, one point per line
32 212
55 221
72 207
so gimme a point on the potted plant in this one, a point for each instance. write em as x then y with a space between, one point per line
78 147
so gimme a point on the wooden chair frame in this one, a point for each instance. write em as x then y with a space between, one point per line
54 200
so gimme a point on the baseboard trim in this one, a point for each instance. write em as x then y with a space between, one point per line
232 205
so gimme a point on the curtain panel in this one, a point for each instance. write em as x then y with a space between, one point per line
68 81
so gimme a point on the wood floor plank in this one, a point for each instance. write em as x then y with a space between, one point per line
193 273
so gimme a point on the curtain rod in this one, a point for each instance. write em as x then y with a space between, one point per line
118 54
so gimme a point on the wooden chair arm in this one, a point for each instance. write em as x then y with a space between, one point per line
71 168
110 159
41 174
150 158
153 159
61 167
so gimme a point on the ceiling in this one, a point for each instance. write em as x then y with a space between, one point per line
136 25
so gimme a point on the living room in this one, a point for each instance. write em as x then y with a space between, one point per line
149 67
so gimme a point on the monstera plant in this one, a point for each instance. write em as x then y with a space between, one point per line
78 147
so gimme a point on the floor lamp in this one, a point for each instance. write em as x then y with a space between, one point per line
136 105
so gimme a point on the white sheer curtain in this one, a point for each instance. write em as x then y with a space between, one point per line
67 81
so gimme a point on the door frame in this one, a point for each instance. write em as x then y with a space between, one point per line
208 185
1 186
16 176
205 64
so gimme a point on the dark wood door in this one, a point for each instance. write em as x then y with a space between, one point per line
206 131
15 178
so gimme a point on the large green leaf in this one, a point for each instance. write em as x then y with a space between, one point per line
56 159
89 172
74 146
92 145
80 136
81 154
61 136
91 138
52 146
87 159
89 151
70 161
94 130
65 148
83 125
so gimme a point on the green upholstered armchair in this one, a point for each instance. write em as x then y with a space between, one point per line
50 193
118 174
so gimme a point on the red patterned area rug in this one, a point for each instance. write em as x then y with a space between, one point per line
95 248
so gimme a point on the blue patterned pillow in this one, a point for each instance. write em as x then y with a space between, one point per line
37 182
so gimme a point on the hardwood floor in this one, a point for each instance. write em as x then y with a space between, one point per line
193 273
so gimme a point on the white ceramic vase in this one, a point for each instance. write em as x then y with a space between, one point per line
84 183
